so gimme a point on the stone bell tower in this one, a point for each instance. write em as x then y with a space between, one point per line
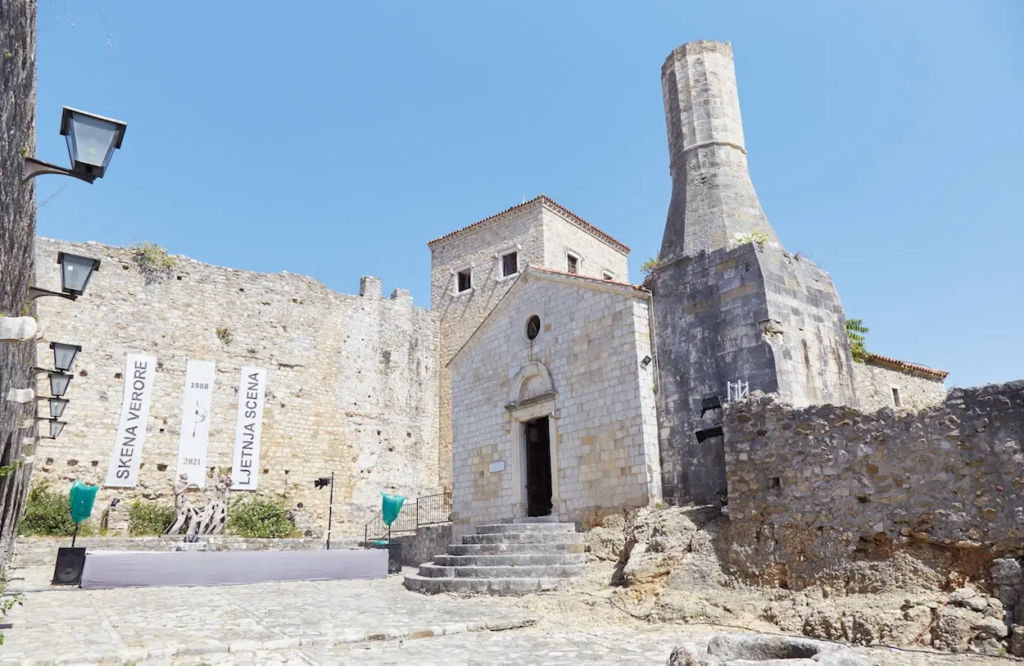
713 200
734 312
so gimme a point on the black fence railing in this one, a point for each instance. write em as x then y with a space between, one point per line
433 509
429 510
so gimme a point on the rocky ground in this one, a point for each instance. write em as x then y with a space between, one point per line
667 567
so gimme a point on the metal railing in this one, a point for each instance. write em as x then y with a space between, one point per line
429 510
434 509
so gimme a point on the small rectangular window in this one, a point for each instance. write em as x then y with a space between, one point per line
608 276
509 264
465 280
896 397
572 263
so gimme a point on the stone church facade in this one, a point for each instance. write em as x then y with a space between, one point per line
540 382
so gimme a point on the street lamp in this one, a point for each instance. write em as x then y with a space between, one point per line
75 272
57 406
91 140
55 428
64 355
59 383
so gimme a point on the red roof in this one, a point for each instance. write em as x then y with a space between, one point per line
904 366
579 221
541 269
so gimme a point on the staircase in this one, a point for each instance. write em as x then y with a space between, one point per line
516 558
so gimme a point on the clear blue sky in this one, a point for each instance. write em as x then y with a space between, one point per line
334 139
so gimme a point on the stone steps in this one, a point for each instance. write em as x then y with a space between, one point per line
524 537
496 586
514 548
538 571
512 558
515 560
520 528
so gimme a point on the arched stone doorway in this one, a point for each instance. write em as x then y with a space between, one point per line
532 406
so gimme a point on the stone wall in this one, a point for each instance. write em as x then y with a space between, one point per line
428 542
597 256
352 380
876 380
583 370
754 314
834 481
17 231
540 231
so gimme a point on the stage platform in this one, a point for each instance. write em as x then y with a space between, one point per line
112 569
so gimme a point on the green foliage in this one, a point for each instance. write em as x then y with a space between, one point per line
855 331
651 264
7 469
758 237
47 513
225 335
7 603
259 518
151 258
145 518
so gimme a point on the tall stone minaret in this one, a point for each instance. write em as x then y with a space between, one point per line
734 313
713 200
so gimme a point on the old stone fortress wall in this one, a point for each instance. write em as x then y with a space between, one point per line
351 380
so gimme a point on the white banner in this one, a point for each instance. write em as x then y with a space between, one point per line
195 422
252 385
139 374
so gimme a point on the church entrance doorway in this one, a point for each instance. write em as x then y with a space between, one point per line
538 467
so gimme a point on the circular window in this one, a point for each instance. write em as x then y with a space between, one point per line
533 327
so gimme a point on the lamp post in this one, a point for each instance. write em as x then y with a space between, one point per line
322 482
92 141
75 272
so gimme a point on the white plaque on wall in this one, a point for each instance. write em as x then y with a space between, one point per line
252 386
195 422
139 373
498 466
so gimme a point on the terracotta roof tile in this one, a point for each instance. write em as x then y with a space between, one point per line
541 269
897 364
579 221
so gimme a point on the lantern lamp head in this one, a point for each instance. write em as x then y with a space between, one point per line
59 383
75 271
57 407
92 140
56 427
64 355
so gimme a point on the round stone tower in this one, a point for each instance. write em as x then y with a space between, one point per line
713 200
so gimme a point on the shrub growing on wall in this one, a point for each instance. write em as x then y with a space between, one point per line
259 518
146 518
47 513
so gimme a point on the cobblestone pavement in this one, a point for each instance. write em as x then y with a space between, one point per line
345 622
528 647
89 626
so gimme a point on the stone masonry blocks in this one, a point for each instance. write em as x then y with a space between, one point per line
713 199
753 314
352 381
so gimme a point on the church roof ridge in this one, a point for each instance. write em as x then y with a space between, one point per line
904 366
551 203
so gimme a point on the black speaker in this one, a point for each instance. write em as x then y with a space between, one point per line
70 563
394 556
